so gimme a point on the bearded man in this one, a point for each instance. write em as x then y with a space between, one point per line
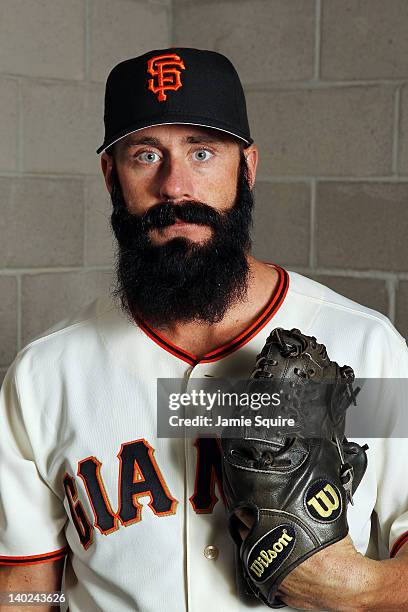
83 473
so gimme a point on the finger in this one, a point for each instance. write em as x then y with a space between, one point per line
243 532
245 517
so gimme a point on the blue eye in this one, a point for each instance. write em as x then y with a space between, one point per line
148 157
202 155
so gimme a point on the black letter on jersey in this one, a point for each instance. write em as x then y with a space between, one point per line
140 476
208 471
79 517
89 470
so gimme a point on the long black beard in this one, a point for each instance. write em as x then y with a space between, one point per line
181 280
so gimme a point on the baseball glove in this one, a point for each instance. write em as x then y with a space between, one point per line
295 487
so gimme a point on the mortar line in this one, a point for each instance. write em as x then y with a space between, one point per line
171 22
396 126
392 286
320 85
19 311
318 36
45 270
85 193
20 127
330 179
265 178
261 86
87 45
348 273
312 233
41 175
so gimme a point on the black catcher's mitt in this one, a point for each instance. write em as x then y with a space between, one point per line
295 487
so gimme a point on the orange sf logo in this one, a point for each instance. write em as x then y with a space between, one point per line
165 68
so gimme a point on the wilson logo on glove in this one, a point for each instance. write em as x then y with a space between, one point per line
271 551
323 501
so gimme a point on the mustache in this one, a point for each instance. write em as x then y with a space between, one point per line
165 214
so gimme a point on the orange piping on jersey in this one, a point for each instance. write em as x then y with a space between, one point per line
104 495
166 344
398 544
268 312
35 559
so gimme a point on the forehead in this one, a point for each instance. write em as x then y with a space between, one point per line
176 134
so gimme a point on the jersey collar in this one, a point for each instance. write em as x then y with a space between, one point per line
266 315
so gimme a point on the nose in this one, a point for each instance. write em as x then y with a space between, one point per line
175 181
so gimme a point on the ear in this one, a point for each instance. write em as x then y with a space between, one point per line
107 165
251 155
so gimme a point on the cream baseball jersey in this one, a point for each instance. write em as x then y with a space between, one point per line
142 518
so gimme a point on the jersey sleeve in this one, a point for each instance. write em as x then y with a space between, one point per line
32 516
392 459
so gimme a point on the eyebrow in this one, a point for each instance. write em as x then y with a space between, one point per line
202 139
147 140
155 142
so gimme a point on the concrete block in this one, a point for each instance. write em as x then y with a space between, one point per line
8 319
42 38
364 39
369 292
266 41
41 222
124 29
403 135
63 126
342 131
282 223
49 298
100 241
8 124
362 226
401 319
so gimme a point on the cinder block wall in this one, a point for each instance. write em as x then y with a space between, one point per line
327 90
327 87
55 244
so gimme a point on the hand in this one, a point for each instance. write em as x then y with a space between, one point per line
336 578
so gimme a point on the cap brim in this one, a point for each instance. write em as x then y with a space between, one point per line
118 137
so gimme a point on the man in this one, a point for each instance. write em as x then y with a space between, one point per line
82 470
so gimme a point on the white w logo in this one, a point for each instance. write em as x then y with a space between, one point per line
322 504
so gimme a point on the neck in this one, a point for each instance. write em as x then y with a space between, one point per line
200 338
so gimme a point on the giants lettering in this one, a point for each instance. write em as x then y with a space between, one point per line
139 475
79 516
207 473
90 471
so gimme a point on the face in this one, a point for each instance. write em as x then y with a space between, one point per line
179 164
181 215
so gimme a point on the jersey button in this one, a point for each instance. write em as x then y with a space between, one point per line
210 552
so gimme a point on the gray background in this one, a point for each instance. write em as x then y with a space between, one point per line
327 89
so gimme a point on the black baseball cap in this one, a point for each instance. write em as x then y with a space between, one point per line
177 85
